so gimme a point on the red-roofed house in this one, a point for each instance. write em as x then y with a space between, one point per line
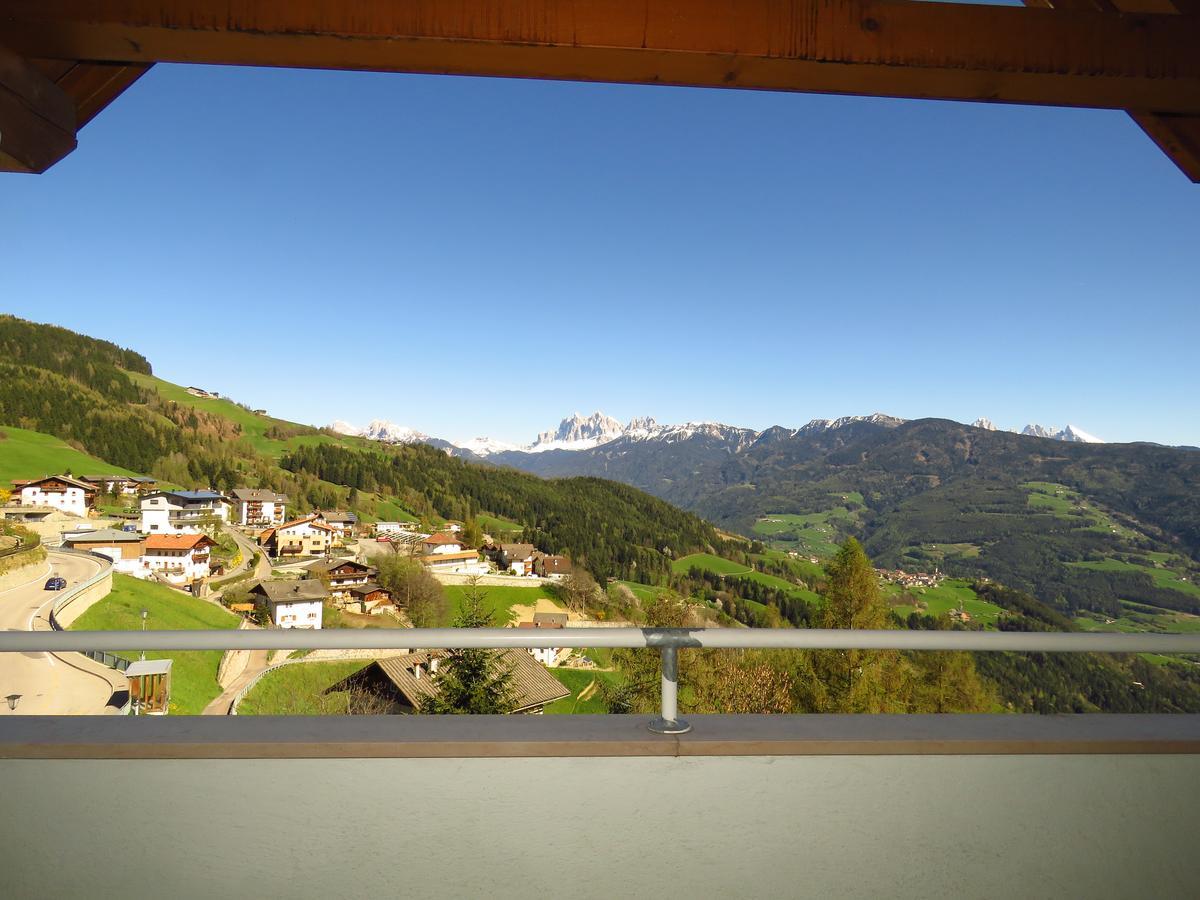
180 558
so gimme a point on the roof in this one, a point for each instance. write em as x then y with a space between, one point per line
149 667
517 551
303 591
107 478
176 541
328 565
258 495
532 684
540 625
369 588
103 536
431 558
67 479
305 520
441 538
191 495
338 516
550 618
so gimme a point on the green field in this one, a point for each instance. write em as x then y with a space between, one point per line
716 564
943 598
299 690
194 673
644 592
1065 503
1163 578
581 681
30 454
1139 617
496 525
499 599
812 534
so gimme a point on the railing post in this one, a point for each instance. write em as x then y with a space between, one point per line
669 722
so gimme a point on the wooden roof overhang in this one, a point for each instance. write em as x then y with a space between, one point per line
63 61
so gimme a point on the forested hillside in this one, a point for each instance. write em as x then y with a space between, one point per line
615 530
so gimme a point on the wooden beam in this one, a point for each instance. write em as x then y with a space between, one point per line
37 118
895 49
93 85
1177 136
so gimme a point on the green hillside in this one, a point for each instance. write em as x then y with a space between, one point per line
29 454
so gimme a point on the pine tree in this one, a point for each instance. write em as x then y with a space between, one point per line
472 681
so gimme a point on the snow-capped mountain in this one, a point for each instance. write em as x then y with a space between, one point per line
486 446
1071 433
580 433
830 424
382 430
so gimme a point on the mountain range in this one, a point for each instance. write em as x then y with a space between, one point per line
578 432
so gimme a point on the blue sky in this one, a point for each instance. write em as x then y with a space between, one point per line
485 256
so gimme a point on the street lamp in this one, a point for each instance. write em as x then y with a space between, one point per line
13 700
145 614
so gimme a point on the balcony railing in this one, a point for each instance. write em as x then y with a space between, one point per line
668 641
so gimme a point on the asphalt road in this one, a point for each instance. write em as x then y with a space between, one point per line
47 684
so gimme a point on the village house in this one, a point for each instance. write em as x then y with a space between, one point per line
369 598
62 492
548 566
293 604
258 506
301 537
182 512
341 575
517 558
405 681
180 558
547 656
342 523
455 562
385 528
124 548
125 485
441 543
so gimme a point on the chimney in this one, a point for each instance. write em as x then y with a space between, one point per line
433 661
417 671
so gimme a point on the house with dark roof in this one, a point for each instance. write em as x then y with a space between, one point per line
292 604
258 506
343 523
62 492
548 566
341 575
517 558
405 681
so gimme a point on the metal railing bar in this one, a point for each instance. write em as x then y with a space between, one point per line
506 638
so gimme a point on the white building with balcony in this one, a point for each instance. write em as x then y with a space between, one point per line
62 492
182 512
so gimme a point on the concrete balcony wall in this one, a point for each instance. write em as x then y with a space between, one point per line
924 806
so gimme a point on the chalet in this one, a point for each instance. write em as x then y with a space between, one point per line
301 537
342 523
441 543
406 681
547 566
125 485
179 558
369 598
182 512
547 656
293 604
64 493
517 558
341 575
459 562
258 506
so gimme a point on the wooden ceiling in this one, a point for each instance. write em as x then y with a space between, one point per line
63 61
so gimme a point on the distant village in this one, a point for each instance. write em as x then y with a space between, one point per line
319 557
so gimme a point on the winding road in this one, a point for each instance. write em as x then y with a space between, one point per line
49 684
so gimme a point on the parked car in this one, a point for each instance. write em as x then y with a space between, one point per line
56 583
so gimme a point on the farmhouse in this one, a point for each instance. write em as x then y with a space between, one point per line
405 681
180 558
293 604
341 575
258 506
441 543
126 485
547 656
517 558
180 512
369 598
64 493
547 566
301 537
